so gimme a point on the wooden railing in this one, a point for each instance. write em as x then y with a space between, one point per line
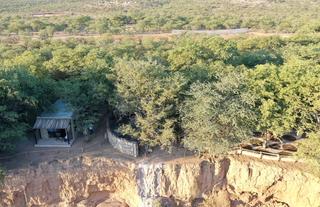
265 155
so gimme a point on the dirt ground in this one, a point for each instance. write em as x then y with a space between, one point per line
27 155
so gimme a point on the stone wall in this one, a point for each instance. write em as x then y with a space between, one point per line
123 145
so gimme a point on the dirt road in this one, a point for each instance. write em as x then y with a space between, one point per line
155 36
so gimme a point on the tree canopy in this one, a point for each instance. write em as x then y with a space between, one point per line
218 115
205 93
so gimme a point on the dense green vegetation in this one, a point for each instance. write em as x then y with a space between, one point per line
219 114
21 95
205 93
310 149
84 16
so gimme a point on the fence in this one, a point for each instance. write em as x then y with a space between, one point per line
123 145
266 155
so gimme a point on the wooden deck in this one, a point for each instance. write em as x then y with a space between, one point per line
51 142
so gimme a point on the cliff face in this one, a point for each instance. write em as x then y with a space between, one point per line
286 184
77 182
96 181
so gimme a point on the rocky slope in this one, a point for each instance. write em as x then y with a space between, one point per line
103 182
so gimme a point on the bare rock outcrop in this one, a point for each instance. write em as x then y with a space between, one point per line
286 184
77 182
97 181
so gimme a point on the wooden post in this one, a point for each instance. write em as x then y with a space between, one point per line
106 137
66 130
35 136
72 130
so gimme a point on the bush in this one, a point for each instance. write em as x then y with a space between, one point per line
309 149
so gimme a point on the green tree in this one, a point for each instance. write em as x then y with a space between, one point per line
309 149
288 96
67 61
37 25
79 24
148 93
21 96
31 60
88 95
218 115
103 25
46 33
189 51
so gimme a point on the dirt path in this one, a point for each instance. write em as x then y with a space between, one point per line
27 155
155 36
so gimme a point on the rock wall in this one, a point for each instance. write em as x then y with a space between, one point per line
256 181
173 181
97 181
77 182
